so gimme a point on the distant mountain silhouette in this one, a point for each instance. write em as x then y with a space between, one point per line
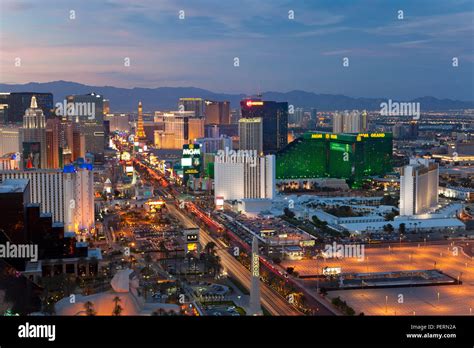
166 98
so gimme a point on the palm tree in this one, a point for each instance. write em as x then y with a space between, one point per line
215 263
159 312
89 307
117 309
210 248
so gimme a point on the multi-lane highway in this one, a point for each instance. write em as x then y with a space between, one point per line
271 300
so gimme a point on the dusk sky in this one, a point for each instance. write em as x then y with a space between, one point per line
388 57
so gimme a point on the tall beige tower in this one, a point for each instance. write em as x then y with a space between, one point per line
255 307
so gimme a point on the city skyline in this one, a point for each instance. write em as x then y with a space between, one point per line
212 161
412 56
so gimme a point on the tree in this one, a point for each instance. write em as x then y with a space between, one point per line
89 307
289 213
388 228
402 228
117 309
210 248
159 312
148 259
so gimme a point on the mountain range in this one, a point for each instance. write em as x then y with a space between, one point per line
166 98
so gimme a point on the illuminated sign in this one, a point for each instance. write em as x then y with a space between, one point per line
191 152
307 243
191 159
331 270
250 103
255 266
192 246
316 136
371 135
220 203
153 203
125 156
191 237
31 155
339 147
191 171
186 162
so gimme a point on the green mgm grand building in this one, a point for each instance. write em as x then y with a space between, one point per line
345 156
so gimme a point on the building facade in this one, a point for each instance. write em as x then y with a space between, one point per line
275 121
349 122
244 174
343 156
196 105
33 138
419 183
67 194
251 134
217 112
9 140
15 105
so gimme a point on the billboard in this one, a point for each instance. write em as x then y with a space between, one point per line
191 159
31 155
220 203
331 271
191 239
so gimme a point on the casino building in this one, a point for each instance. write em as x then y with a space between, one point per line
350 156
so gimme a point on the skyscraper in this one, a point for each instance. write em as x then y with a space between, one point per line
52 142
251 134
244 174
66 133
140 132
217 112
419 187
349 122
197 105
88 107
16 103
9 140
275 121
180 128
94 138
255 307
89 115
298 116
33 137
67 194
14 196
79 143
